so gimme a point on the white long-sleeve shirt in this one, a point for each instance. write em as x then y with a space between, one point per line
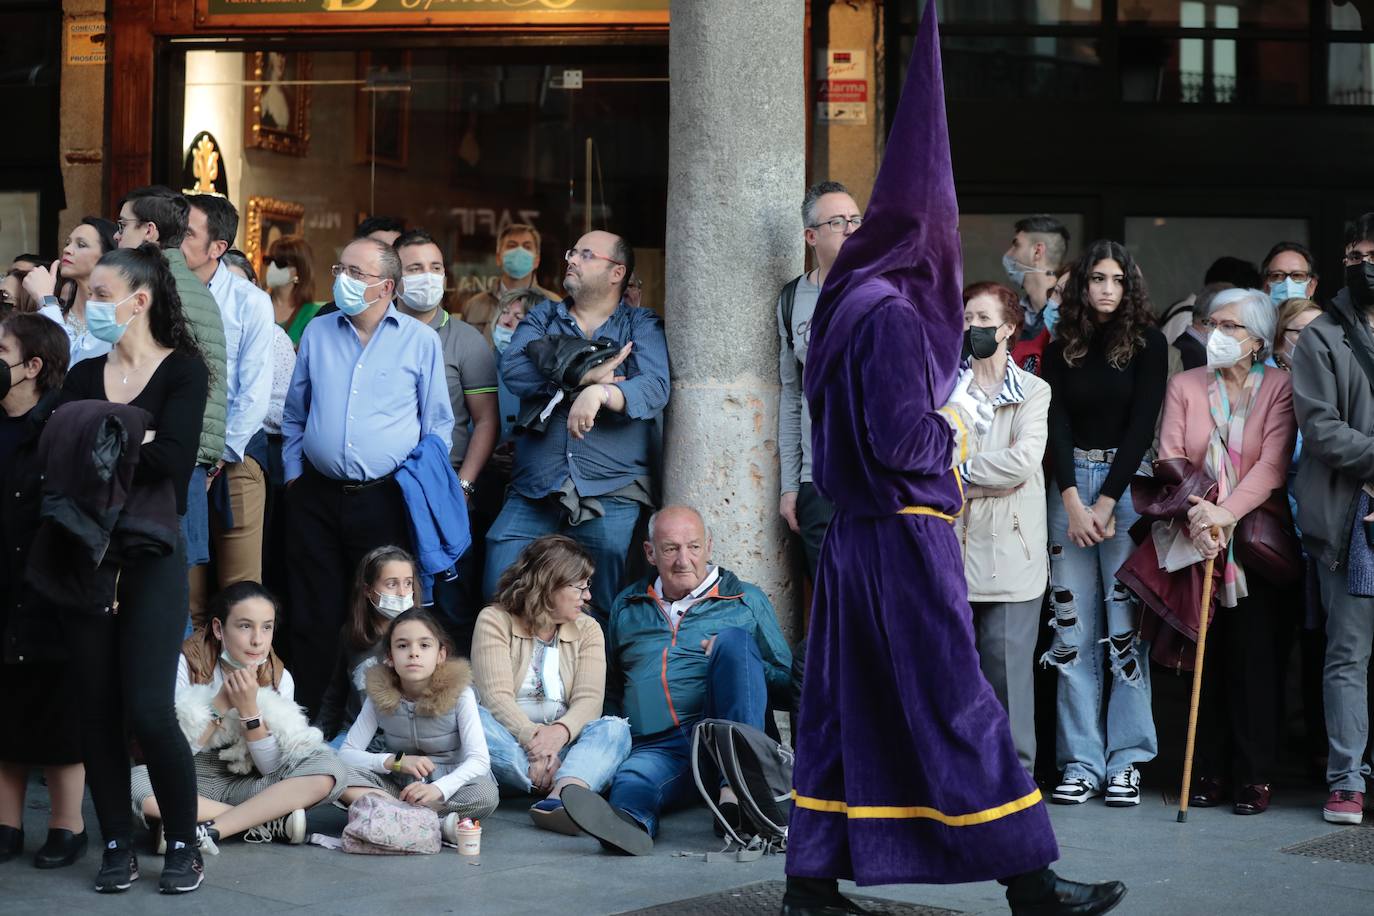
248 319
472 745
265 752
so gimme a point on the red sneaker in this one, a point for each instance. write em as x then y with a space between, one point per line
1344 807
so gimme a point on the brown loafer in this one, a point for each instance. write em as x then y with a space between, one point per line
1252 799
1208 792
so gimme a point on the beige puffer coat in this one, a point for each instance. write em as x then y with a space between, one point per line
1005 538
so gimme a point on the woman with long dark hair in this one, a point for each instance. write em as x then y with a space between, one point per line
61 291
1107 370
128 661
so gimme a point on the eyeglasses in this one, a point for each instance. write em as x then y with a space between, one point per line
1355 257
586 254
585 588
837 224
1297 276
353 272
126 224
1228 328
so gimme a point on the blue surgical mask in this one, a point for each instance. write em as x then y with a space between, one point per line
501 337
1016 271
1288 288
1050 314
350 295
101 322
517 263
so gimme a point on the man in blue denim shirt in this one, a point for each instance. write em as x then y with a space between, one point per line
587 474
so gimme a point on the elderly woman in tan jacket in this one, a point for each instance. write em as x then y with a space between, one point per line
539 666
1002 527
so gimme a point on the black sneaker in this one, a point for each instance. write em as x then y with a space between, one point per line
118 868
182 870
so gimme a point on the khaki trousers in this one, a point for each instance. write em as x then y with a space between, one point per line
237 551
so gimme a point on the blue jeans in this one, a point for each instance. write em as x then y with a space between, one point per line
1097 629
195 524
607 539
593 757
657 776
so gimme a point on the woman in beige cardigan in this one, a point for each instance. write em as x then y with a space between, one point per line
1002 527
540 669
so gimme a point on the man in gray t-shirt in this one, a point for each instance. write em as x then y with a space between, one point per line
829 215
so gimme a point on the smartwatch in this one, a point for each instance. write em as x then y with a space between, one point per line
250 724
467 486
396 763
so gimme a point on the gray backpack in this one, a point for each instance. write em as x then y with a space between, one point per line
759 771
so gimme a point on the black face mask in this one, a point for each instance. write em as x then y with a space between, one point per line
1359 279
980 343
4 380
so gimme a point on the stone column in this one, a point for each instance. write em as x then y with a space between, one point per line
736 167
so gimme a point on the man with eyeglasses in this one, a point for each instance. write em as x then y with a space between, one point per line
829 217
1333 396
159 215
1288 273
368 386
587 474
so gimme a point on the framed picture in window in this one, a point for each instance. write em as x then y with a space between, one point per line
277 101
382 116
268 220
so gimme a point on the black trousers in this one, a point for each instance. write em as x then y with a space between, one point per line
814 513
127 664
332 526
1237 721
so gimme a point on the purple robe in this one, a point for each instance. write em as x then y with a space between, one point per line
905 768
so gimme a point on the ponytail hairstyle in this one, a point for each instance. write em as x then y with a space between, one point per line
146 268
1124 329
365 623
105 231
202 647
422 616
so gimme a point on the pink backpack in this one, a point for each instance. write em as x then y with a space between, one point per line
383 826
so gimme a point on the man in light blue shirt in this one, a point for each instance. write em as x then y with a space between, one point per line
369 385
236 533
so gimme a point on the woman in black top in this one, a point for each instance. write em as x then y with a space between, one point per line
35 674
128 660
1107 370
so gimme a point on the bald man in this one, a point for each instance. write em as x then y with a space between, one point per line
690 642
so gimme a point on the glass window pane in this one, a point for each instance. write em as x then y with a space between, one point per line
1008 12
1216 14
19 225
985 237
1343 16
1350 74
1175 252
1047 67
1221 71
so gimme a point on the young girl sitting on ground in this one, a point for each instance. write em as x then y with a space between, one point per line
383 588
259 764
423 704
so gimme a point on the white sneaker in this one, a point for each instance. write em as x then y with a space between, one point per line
1123 789
448 827
288 827
1073 790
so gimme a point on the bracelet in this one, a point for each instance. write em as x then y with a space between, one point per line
396 762
607 389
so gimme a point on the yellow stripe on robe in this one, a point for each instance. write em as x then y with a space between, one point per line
892 812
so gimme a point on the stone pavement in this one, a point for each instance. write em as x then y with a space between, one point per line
1217 863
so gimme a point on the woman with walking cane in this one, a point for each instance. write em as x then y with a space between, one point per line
1226 440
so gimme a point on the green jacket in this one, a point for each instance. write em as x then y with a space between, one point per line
202 313
657 676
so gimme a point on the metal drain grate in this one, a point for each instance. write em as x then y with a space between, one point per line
1353 844
766 897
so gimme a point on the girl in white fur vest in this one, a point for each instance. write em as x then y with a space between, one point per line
259 764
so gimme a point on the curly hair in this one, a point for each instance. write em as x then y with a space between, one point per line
526 588
145 267
1124 330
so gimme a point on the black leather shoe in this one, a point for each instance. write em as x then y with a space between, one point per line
841 907
61 849
11 842
1071 898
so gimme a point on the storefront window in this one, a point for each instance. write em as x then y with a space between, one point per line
1350 74
461 143
1214 71
1175 252
18 224
1346 15
1216 14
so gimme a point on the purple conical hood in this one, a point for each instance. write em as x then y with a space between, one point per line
908 245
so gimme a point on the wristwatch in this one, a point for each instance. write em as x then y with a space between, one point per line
250 724
396 763
467 486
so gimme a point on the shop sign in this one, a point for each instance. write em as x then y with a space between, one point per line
416 12
86 41
842 88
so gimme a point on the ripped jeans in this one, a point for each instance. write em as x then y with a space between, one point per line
1097 646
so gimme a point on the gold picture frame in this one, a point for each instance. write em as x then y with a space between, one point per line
268 220
277 101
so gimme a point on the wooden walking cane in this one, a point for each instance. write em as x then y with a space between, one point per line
1197 684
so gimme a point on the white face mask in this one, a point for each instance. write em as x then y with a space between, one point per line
234 665
422 292
1223 350
277 276
392 606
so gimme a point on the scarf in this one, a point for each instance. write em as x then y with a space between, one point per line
1223 462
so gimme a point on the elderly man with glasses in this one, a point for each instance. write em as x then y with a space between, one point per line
587 473
369 385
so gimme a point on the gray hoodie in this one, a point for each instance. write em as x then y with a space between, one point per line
1334 401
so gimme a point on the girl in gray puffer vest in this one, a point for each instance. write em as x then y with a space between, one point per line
423 705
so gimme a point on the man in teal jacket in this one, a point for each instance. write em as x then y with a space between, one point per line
692 643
